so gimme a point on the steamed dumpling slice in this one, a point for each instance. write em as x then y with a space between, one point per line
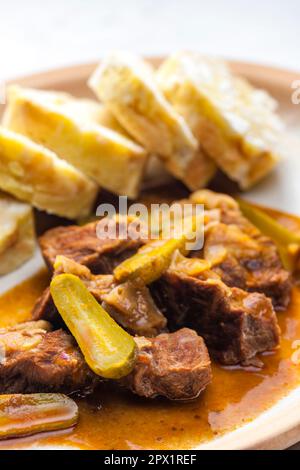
74 130
34 174
128 88
236 123
17 239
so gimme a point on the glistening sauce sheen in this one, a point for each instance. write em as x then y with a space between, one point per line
116 419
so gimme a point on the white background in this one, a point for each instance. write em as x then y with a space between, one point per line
39 34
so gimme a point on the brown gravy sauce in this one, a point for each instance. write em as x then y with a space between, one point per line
116 419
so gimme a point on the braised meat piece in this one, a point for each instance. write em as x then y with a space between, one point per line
129 303
132 306
174 365
44 309
100 255
235 324
247 262
35 359
240 253
226 303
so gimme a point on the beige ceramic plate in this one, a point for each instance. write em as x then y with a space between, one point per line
279 427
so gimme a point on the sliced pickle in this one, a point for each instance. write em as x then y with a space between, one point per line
23 415
148 266
288 242
154 258
107 348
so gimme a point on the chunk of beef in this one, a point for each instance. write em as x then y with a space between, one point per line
176 366
132 306
44 309
83 245
240 253
34 359
130 303
98 285
235 324
249 263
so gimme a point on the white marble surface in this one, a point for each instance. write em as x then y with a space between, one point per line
37 35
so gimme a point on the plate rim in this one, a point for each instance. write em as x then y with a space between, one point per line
256 69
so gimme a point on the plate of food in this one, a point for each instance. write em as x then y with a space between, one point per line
136 341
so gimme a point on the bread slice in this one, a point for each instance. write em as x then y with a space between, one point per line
36 175
70 127
17 235
127 86
236 123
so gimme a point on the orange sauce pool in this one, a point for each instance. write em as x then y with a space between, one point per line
116 419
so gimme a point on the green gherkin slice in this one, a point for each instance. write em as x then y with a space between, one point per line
23 415
154 258
108 349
